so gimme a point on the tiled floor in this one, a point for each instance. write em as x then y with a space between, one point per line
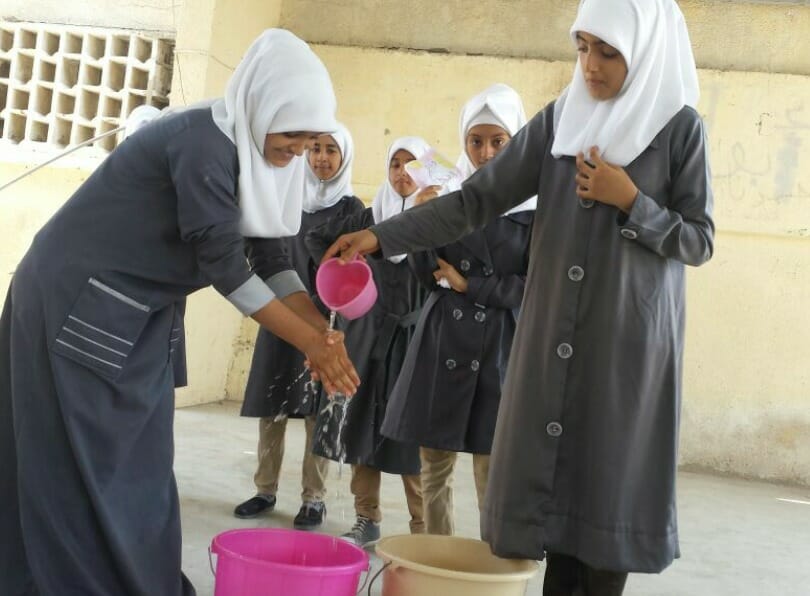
738 538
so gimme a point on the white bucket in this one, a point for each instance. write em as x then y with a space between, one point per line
421 564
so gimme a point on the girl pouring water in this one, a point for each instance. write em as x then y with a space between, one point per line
585 453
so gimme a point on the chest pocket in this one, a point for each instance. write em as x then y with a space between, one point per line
102 329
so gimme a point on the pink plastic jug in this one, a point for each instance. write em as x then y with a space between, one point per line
276 562
347 288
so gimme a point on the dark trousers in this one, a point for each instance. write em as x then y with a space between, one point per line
568 576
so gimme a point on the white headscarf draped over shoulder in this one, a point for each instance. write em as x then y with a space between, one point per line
279 86
320 194
388 202
499 105
652 37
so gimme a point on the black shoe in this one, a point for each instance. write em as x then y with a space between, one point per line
364 533
310 516
254 506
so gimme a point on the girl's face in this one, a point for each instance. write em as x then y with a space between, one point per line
602 65
485 141
281 147
397 175
324 157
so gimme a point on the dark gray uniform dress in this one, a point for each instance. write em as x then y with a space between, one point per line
88 495
376 343
278 378
585 452
448 392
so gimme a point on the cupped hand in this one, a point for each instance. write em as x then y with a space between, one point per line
329 363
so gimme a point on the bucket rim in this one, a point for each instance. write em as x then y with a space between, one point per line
451 573
361 565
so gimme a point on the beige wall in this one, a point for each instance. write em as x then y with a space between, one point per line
726 34
147 15
747 384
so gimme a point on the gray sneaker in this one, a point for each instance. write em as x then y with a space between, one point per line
364 533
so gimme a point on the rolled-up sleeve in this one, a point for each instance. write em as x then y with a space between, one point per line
208 218
270 260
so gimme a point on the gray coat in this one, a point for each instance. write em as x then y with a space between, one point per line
377 343
448 392
585 451
88 342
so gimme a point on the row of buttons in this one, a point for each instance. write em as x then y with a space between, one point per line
565 350
479 316
452 364
577 273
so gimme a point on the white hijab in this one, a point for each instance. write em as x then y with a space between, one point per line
318 194
661 79
279 86
388 202
499 105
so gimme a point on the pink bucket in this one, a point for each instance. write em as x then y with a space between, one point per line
274 562
346 288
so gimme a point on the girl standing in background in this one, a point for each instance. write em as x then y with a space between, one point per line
378 342
278 386
447 396
586 446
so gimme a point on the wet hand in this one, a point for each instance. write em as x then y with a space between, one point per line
350 245
457 281
427 194
604 182
329 363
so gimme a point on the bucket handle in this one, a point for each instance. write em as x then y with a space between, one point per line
374 579
211 562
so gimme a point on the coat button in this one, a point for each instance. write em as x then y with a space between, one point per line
488 270
480 316
629 233
450 364
554 429
565 351
475 365
458 314
576 273
586 203
464 265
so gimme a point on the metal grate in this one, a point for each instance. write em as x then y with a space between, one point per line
62 85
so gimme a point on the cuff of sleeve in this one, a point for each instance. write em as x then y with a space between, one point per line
642 215
251 296
380 231
284 283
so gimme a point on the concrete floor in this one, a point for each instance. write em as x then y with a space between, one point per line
738 538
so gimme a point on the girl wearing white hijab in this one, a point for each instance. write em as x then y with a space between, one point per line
88 330
447 396
277 387
585 454
377 342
